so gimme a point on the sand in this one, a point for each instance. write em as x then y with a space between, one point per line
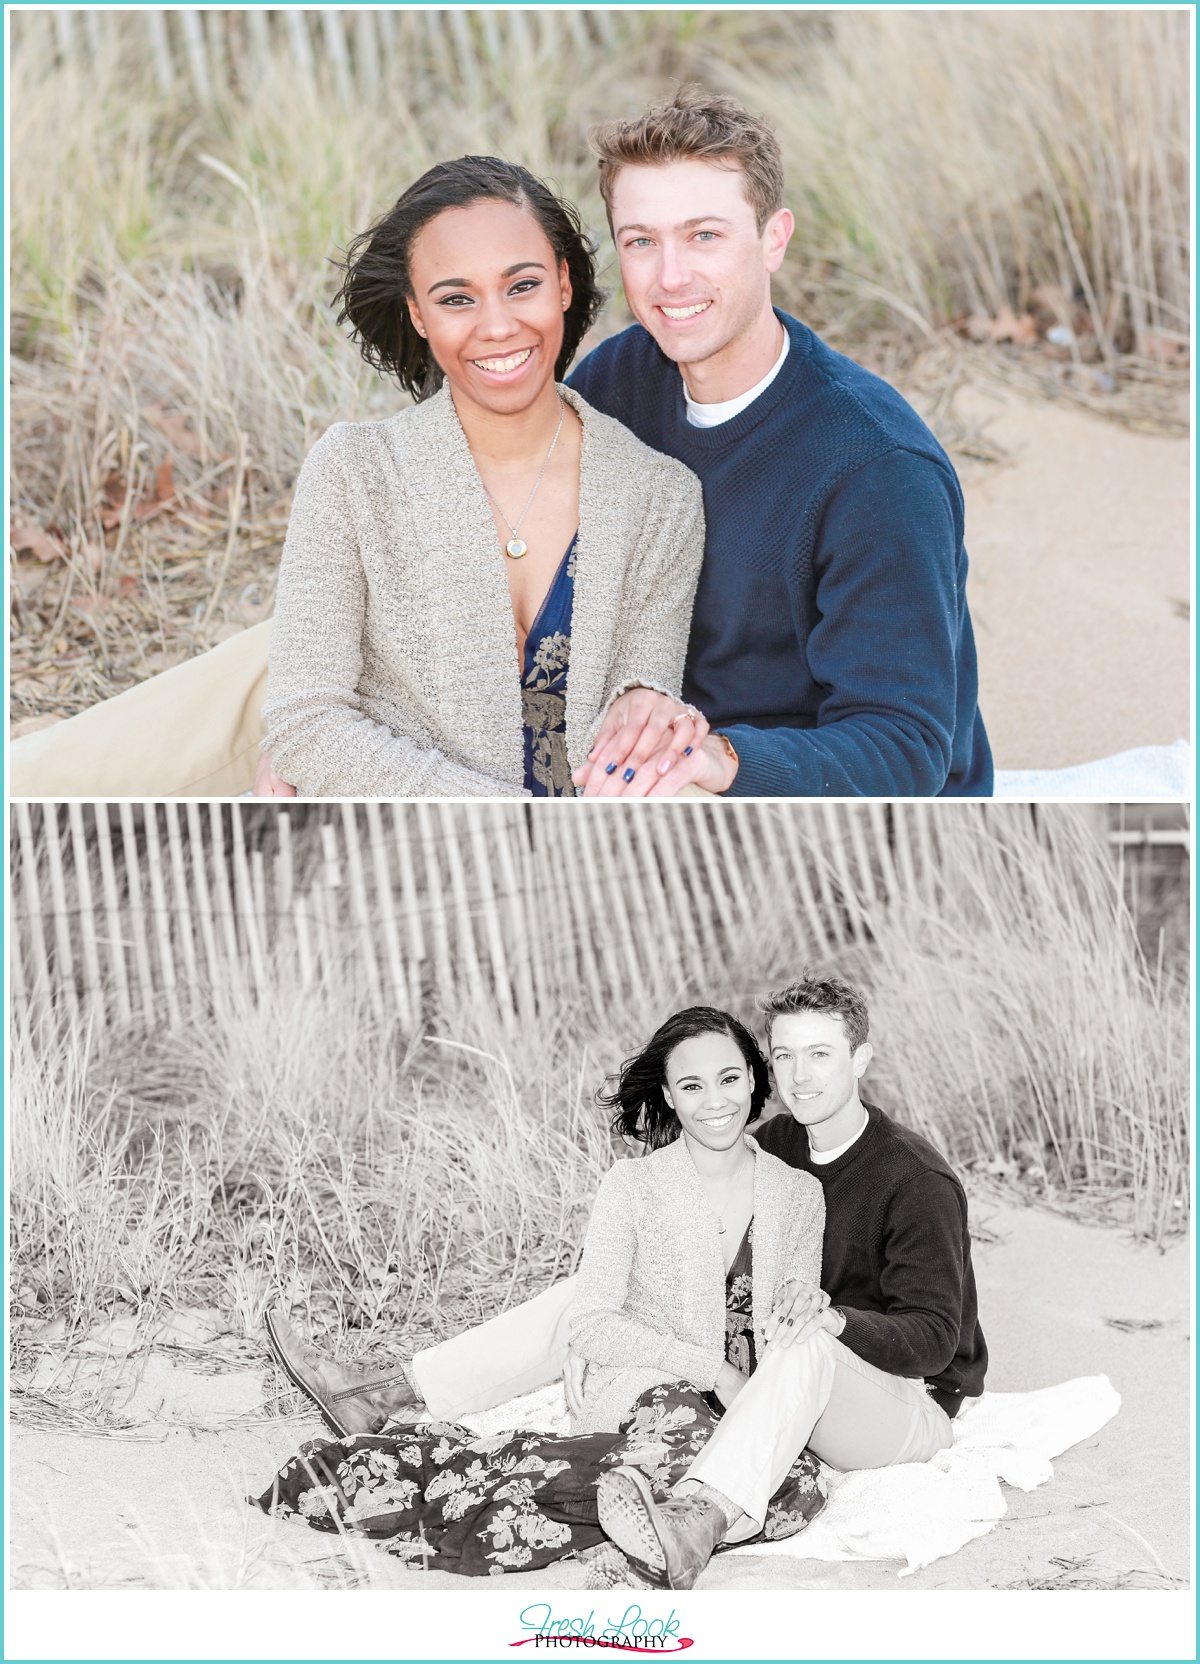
1080 549
162 1506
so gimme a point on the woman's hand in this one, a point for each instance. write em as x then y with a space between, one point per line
574 1370
267 783
729 1383
643 737
799 1312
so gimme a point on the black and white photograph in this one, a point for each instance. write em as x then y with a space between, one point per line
784 1196
753 1217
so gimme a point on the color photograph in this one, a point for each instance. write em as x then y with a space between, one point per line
279 382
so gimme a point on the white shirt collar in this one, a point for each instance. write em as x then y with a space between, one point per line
712 415
824 1157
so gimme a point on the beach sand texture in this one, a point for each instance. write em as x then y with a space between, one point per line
1079 586
163 1507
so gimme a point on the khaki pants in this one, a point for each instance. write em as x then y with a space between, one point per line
193 731
522 1349
819 1394
814 1393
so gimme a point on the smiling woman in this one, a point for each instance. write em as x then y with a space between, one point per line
501 518
469 588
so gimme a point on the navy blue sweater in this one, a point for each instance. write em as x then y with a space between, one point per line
896 1260
830 639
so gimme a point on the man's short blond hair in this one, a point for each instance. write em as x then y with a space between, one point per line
706 126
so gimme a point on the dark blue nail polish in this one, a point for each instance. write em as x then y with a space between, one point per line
687 750
610 768
628 775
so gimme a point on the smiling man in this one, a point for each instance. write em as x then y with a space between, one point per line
868 1369
831 646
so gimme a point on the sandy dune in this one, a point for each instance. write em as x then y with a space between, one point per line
164 1508
1080 552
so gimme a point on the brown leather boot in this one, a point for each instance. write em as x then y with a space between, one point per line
350 1400
670 1542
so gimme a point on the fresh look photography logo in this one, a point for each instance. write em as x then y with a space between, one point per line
633 1631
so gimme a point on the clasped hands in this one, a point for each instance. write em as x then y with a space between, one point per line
648 746
800 1312
652 746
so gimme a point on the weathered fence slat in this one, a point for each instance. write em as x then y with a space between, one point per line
43 982
92 982
137 912
162 920
112 914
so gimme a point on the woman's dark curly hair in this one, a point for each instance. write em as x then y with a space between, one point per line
377 280
642 1111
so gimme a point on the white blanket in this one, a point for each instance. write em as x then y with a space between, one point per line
920 1511
1149 773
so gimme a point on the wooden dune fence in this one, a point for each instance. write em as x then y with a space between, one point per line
141 913
217 54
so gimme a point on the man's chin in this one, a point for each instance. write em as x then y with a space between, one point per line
682 350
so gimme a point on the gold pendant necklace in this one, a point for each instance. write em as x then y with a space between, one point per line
729 1196
516 546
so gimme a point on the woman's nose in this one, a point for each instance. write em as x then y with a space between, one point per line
496 322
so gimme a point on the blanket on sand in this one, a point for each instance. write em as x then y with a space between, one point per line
920 1511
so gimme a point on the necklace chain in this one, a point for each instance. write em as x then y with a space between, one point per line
729 1191
516 546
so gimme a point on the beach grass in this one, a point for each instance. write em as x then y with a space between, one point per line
294 1144
182 185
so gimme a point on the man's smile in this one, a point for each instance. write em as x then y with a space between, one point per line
680 314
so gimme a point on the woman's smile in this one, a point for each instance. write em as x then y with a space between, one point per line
506 368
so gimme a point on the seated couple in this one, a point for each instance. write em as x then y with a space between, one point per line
720 557
744 1306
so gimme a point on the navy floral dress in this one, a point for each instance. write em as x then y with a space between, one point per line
544 687
441 1497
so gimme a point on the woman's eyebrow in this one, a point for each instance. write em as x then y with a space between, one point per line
465 282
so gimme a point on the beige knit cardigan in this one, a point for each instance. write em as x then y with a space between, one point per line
649 1304
393 659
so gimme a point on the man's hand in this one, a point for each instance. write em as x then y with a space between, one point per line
799 1312
574 1370
729 1383
267 783
710 767
642 737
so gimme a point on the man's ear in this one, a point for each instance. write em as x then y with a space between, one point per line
861 1059
777 234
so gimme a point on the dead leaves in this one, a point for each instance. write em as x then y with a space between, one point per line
1019 329
26 537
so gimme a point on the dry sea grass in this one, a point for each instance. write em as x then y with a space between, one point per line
299 1144
177 197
